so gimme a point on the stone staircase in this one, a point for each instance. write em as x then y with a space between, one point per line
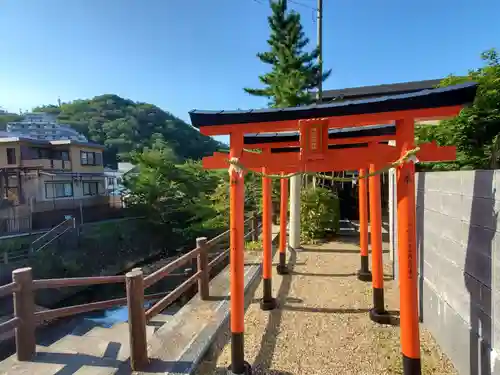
98 347
100 351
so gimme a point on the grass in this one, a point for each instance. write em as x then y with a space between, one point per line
253 246
433 361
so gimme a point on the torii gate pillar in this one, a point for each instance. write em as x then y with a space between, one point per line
268 302
364 273
407 252
237 260
295 187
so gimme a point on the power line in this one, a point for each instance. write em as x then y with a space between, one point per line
303 5
296 2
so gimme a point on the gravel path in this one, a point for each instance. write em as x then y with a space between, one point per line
322 324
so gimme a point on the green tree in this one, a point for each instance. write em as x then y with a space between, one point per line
220 197
173 196
319 214
294 71
7 117
475 131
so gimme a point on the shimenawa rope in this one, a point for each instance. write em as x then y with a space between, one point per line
235 165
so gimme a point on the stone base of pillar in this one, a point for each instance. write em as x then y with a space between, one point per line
246 371
282 270
268 305
364 275
383 317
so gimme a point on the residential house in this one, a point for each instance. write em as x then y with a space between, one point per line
41 176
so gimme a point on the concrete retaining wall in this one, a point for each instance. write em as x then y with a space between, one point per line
459 265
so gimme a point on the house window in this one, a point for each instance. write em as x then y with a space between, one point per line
41 153
11 156
90 188
58 190
90 158
65 155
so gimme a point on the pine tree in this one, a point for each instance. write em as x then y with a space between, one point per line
295 72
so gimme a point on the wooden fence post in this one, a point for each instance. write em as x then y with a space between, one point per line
24 309
136 320
255 235
204 279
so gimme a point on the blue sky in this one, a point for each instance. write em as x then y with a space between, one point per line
185 54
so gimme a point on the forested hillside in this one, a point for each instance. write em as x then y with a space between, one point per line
7 117
123 125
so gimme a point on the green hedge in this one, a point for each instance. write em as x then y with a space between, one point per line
319 214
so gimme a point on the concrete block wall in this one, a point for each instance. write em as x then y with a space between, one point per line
458 237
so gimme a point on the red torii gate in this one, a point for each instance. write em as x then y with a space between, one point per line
401 110
371 154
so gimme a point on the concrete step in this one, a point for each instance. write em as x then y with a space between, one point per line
42 364
92 346
118 333
100 351
160 319
163 318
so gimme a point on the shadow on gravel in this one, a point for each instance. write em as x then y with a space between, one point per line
335 251
268 342
223 371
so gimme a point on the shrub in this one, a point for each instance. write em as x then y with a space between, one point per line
253 246
319 214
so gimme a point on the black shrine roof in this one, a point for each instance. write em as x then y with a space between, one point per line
462 94
338 133
364 92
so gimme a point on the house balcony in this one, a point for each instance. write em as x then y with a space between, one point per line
64 165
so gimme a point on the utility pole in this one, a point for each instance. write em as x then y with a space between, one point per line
319 95
296 181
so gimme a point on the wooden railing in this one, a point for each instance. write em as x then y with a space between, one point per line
26 319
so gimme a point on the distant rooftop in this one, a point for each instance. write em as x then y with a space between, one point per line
73 142
11 139
378 90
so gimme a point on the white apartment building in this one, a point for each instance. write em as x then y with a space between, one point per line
114 178
43 126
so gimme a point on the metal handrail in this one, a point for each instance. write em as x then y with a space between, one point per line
50 231
52 239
